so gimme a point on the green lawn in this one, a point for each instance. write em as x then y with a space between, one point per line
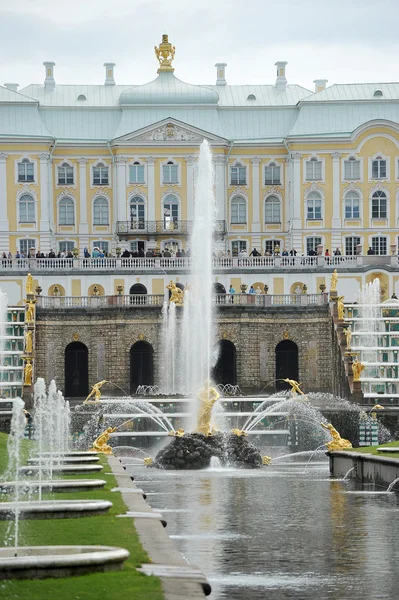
103 530
373 450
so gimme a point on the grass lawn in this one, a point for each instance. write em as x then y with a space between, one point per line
373 450
102 530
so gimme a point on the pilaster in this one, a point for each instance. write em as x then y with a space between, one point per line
83 224
121 187
296 228
44 226
336 216
4 225
255 195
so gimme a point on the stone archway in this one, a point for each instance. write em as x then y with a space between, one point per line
138 288
225 369
76 370
141 365
286 363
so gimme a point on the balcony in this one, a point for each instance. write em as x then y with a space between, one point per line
156 228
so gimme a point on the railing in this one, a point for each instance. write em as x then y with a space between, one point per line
136 227
130 301
297 263
157 300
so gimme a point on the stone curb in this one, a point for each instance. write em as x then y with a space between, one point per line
156 542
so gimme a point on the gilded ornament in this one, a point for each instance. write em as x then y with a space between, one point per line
266 460
141 336
29 341
176 294
30 311
239 432
295 387
28 372
165 54
148 461
286 335
29 284
348 336
357 368
337 442
341 308
75 337
100 443
96 392
208 396
334 281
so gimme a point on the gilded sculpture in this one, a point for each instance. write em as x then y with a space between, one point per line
357 368
28 372
176 433
208 396
165 54
176 294
96 392
341 308
239 432
295 387
337 442
29 284
100 444
348 336
334 281
30 311
266 460
29 341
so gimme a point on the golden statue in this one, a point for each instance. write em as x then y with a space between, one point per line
208 396
239 432
29 341
96 392
337 442
30 311
148 461
28 372
348 336
100 444
295 389
334 281
266 460
341 308
165 53
357 368
29 284
176 433
176 294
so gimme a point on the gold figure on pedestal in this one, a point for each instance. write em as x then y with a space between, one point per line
357 368
239 432
165 53
334 281
100 444
28 372
29 341
148 461
337 442
348 336
295 389
341 308
30 311
176 294
208 396
96 392
29 284
266 460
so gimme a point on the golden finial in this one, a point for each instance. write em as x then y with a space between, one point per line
165 53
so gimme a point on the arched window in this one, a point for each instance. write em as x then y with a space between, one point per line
272 210
169 173
100 174
379 205
66 211
378 94
170 212
137 212
238 174
272 174
100 211
313 204
26 209
286 363
352 205
352 168
25 170
141 365
379 168
76 370
65 174
313 169
238 210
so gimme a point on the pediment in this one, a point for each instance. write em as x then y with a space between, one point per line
170 131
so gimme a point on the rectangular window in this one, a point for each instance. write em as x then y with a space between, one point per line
272 175
352 169
312 243
238 175
103 246
100 175
238 246
270 245
238 212
25 171
66 246
136 173
169 173
27 247
379 208
350 245
26 211
379 245
379 169
313 170
65 175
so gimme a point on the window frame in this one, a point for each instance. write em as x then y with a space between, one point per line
170 163
308 199
61 202
273 165
25 160
374 245
351 159
271 244
239 167
30 202
241 245
105 203
379 156
21 241
346 198
346 240
65 165
314 247
238 200
277 202
377 195
136 164
71 244
100 244
313 160
171 218
139 223
102 165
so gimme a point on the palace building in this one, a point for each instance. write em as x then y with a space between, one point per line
114 167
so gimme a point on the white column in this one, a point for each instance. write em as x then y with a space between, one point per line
83 224
44 203
151 188
121 187
287 166
220 183
296 233
336 216
4 225
190 162
255 194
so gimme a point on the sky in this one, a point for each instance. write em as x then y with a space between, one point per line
343 41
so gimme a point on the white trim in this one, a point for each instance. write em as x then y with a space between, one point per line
374 124
387 159
100 186
314 188
61 196
279 196
164 164
63 185
352 187
282 173
142 163
346 157
379 188
351 235
35 170
28 237
137 194
24 192
380 235
238 162
231 198
314 156
97 195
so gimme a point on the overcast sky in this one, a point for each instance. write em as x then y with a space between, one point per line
339 40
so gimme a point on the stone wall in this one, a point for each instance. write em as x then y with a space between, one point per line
109 334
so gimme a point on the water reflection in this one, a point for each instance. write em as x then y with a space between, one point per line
280 533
